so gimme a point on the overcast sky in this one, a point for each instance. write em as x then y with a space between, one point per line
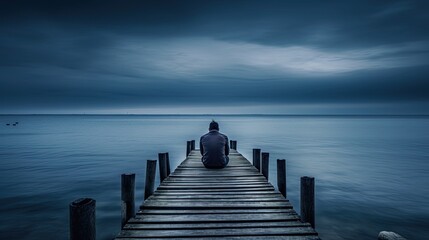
320 57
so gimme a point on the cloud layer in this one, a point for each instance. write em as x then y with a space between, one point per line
147 54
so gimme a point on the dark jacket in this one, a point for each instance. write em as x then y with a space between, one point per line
214 148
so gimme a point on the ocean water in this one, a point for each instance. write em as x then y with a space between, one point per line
372 173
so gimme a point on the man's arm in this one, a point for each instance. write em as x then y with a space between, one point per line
201 146
226 146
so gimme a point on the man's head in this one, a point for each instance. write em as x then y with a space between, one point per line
213 126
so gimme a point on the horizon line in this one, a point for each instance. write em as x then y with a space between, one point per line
201 114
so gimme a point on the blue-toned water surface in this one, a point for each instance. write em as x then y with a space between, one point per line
371 172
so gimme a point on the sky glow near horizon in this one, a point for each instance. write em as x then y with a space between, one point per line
214 57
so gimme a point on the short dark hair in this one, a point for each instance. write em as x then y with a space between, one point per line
214 125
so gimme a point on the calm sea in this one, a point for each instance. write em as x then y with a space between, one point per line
372 173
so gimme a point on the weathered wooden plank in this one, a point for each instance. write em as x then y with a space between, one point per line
210 211
233 161
215 171
162 192
201 166
220 184
216 197
211 181
216 225
216 204
203 170
235 158
189 187
188 183
219 179
221 217
214 175
218 190
207 174
234 238
220 232
225 201
197 158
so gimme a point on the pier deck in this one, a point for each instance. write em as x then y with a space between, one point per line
236 202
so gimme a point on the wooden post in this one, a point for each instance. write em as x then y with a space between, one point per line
168 164
188 148
127 197
149 187
162 159
384 235
192 144
257 158
307 200
233 144
281 176
265 164
82 219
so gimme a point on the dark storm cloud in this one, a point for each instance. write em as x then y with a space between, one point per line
143 53
346 23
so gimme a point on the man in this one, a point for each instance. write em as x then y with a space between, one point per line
214 147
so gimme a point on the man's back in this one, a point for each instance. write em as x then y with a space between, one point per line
215 149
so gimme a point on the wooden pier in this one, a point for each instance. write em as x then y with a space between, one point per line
194 202
236 202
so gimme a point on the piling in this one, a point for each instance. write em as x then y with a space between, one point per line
168 164
233 144
82 219
265 164
162 160
192 145
307 200
188 148
127 197
281 176
257 158
150 178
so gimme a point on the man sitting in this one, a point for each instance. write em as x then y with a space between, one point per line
214 147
